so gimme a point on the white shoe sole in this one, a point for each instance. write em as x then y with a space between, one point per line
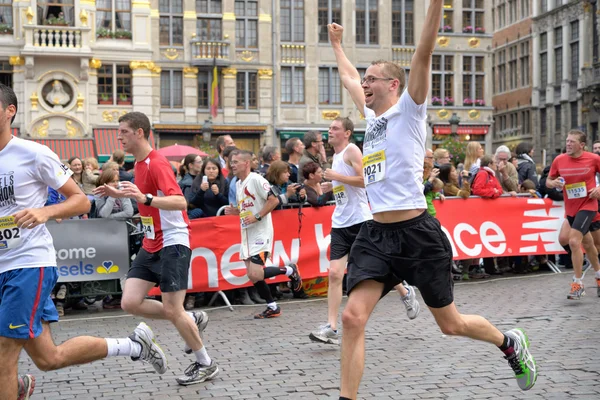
206 378
316 338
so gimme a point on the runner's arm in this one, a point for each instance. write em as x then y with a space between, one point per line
271 204
348 74
353 157
173 202
420 68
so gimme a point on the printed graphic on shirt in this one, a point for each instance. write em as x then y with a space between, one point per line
376 132
7 189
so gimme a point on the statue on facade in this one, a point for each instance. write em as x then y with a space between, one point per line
57 96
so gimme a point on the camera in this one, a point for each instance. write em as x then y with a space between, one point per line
299 188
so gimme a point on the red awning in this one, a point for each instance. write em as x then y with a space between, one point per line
107 142
67 148
462 130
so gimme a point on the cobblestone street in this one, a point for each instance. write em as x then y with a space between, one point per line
274 359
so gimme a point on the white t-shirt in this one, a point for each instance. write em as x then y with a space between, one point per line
26 170
252 195
394 152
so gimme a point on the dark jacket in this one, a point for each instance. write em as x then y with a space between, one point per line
282 189
124 175
208 202
526 169
553 194
186 186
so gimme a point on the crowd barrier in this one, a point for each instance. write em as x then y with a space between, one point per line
476 227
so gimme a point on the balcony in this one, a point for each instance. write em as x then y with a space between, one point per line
403 55
57 40
292 53
207 52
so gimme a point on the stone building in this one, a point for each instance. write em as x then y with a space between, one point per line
77 65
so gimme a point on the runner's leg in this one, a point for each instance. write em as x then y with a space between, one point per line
9 358
334 290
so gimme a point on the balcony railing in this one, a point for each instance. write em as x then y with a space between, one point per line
67 39
209 50
403 55
292 53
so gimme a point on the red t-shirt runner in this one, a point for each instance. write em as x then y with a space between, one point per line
580 177
162 228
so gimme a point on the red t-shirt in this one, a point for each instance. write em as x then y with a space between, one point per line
162 228
580 177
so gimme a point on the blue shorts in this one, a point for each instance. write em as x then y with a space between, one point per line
25 301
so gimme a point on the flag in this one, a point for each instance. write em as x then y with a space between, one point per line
214 91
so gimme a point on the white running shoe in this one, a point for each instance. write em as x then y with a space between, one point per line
411 303
325 335
151 352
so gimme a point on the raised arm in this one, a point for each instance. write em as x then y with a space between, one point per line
420 68
348 73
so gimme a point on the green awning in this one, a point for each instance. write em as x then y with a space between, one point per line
104 158
285 135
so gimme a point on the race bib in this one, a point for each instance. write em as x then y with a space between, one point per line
244 214
148 225
340 195
10 234
374 167
576 190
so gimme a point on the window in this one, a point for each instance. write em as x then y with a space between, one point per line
558 56
525 123
329 11
501 15
6 12
512 11
6 73
292 85
574 50
246 24
543 60
473 78
403 30
171 22
524 64
525 9
114 84
292 20
473 16
557 118
246 90
442 82
63 10
204 89
113 15
512 68
494 73
209 6
544 6
366 22
330 89
543 121
171 89
502 71
574 115
447 17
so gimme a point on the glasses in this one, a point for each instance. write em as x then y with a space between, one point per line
369 80
429 157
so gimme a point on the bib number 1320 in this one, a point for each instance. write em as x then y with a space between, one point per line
374 167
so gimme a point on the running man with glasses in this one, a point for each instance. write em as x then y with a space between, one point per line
403 241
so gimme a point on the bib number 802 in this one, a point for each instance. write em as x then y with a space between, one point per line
9 233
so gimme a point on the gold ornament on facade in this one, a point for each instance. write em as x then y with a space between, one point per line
265 74
190 72
228 17
474 114
264 18
587 6
443 41
112 115
247 56
140 4
80 101
83 17
330 114
171 54
443 113
149 65
72 131
16 60
95 63
29 16
229 73
34 101
474 42
87 3
41 130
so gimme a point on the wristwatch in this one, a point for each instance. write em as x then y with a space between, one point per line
149 199
257 216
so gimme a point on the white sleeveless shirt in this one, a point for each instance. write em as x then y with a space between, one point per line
394 152
351 204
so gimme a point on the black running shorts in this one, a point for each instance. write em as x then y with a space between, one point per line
260 258
167 267
415 250
342 240
582 221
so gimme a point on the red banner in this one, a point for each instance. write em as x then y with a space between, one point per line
476 228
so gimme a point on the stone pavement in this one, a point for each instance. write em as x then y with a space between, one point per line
274 359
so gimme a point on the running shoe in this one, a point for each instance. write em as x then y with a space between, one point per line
269 313
151 352
521 361
201 319
295 279
325 335
577 291
198 373
26 386
411 303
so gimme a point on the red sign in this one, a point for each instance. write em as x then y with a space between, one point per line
475 227
462 130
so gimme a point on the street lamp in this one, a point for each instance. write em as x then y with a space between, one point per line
207 130
454 122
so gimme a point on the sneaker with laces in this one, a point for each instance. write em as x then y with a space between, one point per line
598 286
577 291
269 313
198 373
26 386
411 303
325 335
151 352
295 279
201 318
521 361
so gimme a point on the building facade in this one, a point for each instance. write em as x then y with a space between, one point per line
77 65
